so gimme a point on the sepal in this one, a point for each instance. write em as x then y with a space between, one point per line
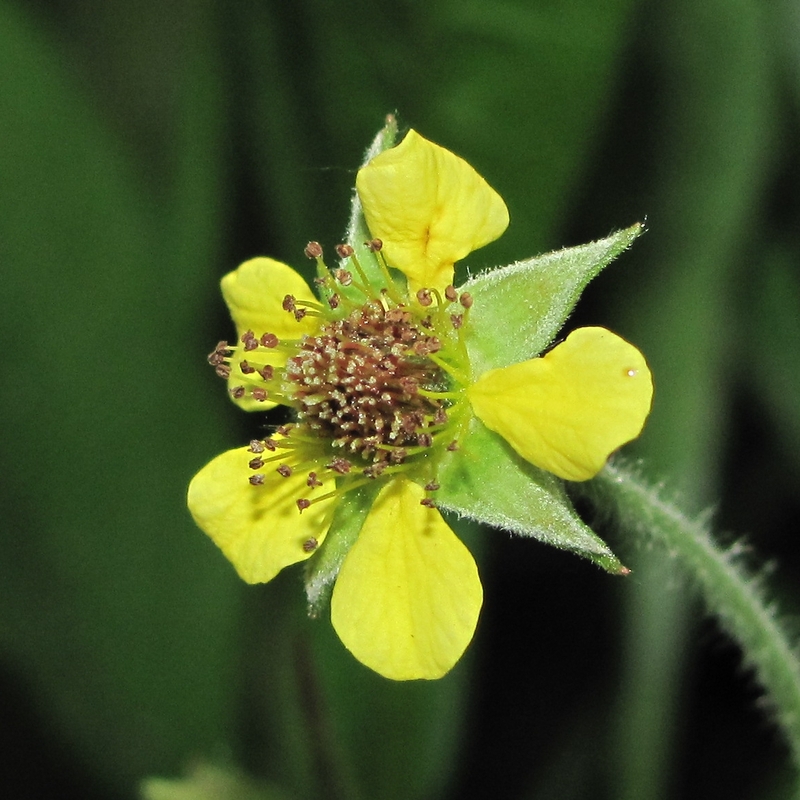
519 309
490 483
321 571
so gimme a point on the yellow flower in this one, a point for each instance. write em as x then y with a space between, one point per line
379 375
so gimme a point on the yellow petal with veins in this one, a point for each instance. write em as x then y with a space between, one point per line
407 598
254 293
569 410
429 207
259 528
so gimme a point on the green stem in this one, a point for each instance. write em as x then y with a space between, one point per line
734 595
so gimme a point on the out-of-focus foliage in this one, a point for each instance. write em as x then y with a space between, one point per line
147 148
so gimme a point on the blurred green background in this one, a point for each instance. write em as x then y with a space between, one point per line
146 148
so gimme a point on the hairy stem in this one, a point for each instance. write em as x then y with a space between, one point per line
731 592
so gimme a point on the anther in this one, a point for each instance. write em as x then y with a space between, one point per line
256 463
424 440
269 444
312 480
343 276
218 354
427 502
269 340
283 430
303 503
453 446
259 394
266 372
424 297
223 370
245 367
237 392
466 300
398 456
344 250
256 480
289 303
256 446
310 544
457 320
340 465
313 250
376 245
450 293
299 313
374 470
249 340
409 385
432 486
284 470
333 301
424 347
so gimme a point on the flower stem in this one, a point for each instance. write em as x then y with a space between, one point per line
734 594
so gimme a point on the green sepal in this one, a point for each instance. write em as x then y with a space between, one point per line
519 309
358 233
322 569
488 482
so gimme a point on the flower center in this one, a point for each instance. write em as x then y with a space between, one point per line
367 384
377 390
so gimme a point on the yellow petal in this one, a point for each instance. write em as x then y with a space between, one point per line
258 528
568 411
429 207
254 293
407 598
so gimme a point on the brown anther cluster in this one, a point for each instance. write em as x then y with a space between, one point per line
376 245
358 384
450 293
310 544
219 354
